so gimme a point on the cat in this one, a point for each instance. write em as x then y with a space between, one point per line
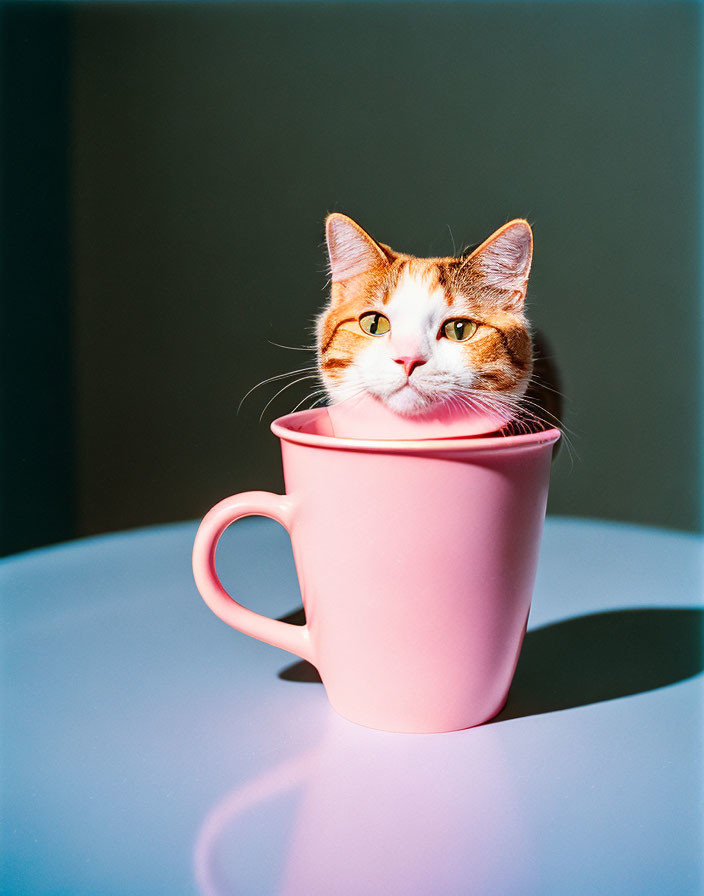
415 333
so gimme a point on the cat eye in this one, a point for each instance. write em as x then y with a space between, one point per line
374 324
459 330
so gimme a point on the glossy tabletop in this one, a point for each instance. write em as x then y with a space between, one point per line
148 748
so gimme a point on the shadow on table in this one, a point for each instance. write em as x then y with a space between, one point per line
588 659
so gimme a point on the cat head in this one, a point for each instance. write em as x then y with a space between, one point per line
416 333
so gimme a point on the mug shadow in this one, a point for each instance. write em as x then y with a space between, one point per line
588 659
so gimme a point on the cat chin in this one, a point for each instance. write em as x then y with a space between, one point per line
409 403
405 401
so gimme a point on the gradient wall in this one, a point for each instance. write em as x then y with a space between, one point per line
202 146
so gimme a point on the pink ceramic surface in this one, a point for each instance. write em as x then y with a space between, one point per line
416 561
367 418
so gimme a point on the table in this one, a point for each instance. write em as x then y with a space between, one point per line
148 748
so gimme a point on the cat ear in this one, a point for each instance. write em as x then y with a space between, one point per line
352 251
503 261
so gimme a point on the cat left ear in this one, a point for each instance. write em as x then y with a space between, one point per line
503 261
352 251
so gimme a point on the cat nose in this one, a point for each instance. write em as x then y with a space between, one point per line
410 363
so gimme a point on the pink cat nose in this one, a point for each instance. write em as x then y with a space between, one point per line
410 363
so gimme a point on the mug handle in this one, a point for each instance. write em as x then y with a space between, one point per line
294 638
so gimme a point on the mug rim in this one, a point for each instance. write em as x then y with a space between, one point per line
282 428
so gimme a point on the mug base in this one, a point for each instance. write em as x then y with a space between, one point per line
417 727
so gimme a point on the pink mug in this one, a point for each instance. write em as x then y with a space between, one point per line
416 560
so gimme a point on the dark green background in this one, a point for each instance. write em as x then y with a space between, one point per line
167 169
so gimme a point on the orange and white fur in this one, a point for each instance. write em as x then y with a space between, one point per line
418 332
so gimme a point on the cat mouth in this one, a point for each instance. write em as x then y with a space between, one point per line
407 399
406 392
407 385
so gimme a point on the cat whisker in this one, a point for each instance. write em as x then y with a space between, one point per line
456 402
293 348
527 412
309 376
520 411
308 397
538 412
348 393
528 403
539 381
454 247
271 379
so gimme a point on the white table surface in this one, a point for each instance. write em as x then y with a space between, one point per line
148 748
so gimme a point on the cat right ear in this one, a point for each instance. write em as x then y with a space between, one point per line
351 250
504 260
